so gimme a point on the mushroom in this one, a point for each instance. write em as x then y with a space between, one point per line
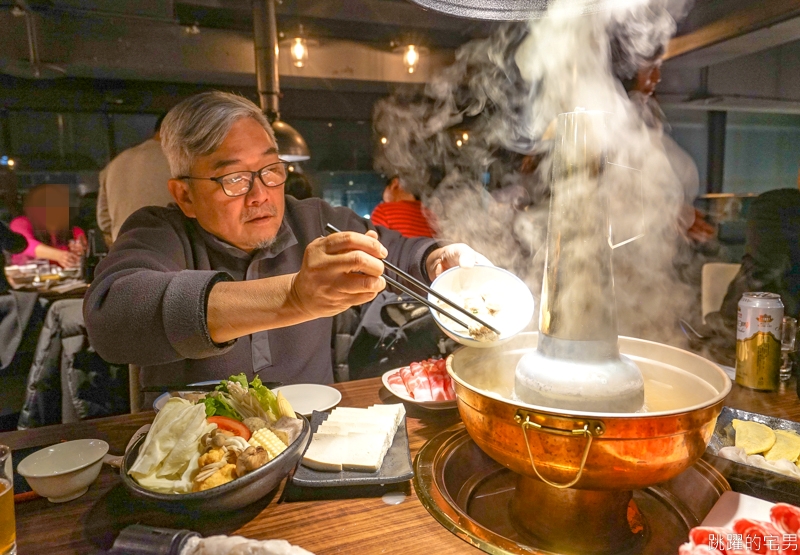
219 437
251 459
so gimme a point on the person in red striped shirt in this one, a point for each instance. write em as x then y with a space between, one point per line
402 212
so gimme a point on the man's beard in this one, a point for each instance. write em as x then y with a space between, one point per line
265 243
257 212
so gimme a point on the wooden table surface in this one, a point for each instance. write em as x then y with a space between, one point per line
364 525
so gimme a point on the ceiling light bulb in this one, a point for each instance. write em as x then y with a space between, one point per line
384 140
411 58
459 143
465 136
299 52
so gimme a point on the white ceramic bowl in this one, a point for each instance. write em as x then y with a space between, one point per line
64 471
507 290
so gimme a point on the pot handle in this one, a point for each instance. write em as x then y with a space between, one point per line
587 428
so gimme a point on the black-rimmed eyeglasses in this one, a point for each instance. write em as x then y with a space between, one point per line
240 183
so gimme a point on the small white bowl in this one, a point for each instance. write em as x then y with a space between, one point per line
64 471
508 290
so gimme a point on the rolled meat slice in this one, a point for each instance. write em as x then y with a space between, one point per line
785 518
439 367
418 385
396 384
406 375
758 537
438 386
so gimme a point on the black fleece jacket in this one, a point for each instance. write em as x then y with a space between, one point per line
147 304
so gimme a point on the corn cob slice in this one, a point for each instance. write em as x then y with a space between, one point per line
269 441
284 407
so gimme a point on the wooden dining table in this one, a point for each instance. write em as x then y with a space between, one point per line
363 521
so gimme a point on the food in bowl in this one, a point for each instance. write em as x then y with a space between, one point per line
231 432
64 471
494 295
758 445
484 304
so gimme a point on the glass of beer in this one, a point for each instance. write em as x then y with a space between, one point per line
788 346
8 529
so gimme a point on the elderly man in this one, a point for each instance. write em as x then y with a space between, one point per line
237 277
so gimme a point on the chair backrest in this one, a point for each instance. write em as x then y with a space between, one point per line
716 278
134 388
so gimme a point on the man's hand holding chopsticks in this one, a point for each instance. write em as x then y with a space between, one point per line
339 271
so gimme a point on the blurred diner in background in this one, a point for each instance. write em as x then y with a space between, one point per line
46 225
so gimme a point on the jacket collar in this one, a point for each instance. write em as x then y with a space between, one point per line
283 240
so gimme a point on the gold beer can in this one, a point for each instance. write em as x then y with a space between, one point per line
758 341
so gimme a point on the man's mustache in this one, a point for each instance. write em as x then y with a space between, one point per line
259 212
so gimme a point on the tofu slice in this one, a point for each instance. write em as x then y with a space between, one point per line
326 452
354 420
354 439
353 427
397 410
365 452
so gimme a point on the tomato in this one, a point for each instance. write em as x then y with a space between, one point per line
230 425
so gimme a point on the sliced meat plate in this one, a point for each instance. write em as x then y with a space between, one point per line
786 518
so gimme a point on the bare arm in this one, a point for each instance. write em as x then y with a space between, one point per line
66 259
338 272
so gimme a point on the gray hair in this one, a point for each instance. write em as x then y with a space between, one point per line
198 125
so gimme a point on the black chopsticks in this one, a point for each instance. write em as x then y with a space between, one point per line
411 279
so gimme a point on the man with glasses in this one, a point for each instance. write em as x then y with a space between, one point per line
237 277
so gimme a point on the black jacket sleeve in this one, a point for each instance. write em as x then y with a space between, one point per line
147 304
11 241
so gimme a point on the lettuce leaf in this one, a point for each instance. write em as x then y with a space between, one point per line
217 405
241 379
266 398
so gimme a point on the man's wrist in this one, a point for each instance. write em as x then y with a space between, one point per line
295 302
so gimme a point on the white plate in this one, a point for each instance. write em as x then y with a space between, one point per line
432 405
162 399
732 506
308 397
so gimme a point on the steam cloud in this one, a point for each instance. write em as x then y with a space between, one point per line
505 92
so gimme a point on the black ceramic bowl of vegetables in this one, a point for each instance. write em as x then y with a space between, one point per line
219 454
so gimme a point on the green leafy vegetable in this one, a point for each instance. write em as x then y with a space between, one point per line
217 405
265 397
241 379
260 392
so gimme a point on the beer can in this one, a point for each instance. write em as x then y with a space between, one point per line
758 341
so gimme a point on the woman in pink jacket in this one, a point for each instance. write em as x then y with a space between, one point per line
46 227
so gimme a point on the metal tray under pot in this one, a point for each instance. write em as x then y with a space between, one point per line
470 494
227 497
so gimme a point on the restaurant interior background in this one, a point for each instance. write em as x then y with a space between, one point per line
83 80
729 86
